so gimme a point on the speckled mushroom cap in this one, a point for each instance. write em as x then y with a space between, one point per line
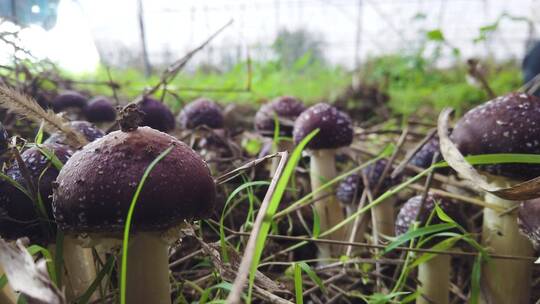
97 184
90 132
409 212
507 124
201 112
286 108
18 215
100 109
353 184
529 220
423 157
68 99
335 127
156 115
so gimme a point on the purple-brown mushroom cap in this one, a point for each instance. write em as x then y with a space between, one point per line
88 130
97 184
335 127
409 212
352 186
507 124
286 108
201 112
156 115
100 109
68 99
18 216
529 220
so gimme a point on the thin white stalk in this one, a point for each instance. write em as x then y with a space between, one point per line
383 218
323 169
505 281
434 280
80 267
148 270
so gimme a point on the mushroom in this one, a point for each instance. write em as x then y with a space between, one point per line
97 185
383 213
507 124
286 109
201 112
71 102
88 130
529 221
100 110
156 115
22 217
335 131
434 274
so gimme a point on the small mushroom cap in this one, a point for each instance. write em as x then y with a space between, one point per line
90 132
507 124
286 108
18 215
529 220
201 112
335 127
68 99
424 157
100 109
353 186
156 115
409 212
97 184
347 190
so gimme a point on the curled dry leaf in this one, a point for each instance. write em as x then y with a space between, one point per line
522 191
26 276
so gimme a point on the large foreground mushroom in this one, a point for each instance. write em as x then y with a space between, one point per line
96 187
507 124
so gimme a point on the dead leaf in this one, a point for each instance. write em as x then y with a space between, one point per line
28 277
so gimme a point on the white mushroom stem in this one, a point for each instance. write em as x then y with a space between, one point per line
434 280
282 145
7 294
505 281
148 270
383 218
323 169
80 266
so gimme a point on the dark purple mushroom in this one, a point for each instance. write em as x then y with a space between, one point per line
529 221
335 131
96 187
434 274
353 186
20 215
100 109
285 108
88 130
156 115
68 99
423 158
507 124
201 112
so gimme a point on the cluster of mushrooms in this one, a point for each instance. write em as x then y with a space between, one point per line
89 197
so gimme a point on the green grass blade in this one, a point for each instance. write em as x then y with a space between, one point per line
274 203
411 234
125 241
298 284
107 268
224 254
312 275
